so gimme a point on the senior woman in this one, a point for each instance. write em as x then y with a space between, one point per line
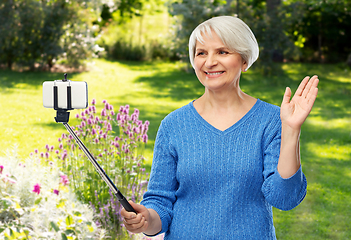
222 161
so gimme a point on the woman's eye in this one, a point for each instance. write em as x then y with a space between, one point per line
200 53
223 52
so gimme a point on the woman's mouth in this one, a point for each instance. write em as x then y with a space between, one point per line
214 73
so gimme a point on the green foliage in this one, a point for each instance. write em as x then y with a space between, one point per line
285 30
119 154
46 31
139 35
187 15
324 26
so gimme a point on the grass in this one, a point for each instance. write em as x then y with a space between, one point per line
158 88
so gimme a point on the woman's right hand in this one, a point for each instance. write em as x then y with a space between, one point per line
136 223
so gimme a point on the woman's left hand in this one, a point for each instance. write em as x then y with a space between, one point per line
294 112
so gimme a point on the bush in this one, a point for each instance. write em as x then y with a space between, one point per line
46 31
36 203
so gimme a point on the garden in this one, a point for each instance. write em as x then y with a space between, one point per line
136 75
36 180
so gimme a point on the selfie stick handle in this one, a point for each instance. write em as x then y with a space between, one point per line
102 173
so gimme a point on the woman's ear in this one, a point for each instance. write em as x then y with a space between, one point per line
244 66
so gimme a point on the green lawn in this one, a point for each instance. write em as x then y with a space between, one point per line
158 88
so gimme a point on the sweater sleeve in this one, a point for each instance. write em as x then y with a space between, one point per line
282 193
163 184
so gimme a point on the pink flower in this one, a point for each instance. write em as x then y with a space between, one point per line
37 188
8 179
64 180
56 191
1 168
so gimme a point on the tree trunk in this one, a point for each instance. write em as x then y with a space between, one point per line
9 62
272 11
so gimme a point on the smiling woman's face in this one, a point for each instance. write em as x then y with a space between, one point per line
216 66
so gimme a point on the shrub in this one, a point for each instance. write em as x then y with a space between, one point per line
35 204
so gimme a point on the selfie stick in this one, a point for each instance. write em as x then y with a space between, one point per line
62 116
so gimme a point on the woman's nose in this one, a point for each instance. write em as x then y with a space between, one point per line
211 61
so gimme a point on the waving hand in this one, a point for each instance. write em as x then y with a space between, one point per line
294 112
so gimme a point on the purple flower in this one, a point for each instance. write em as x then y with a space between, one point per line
93 101
56 191
36 151
118 117
93 131
37 188
1 168
145 138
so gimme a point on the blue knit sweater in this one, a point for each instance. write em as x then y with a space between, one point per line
212 184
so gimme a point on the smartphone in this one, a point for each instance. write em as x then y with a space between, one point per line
69 94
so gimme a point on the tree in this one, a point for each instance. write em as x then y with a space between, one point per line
324 27
188 14
35 31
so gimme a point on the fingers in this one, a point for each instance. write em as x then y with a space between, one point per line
287 95
312 94
311 85
302 86
306 85
136 224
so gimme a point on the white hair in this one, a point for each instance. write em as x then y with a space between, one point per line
233 32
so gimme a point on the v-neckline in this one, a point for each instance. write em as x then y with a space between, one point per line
229 129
